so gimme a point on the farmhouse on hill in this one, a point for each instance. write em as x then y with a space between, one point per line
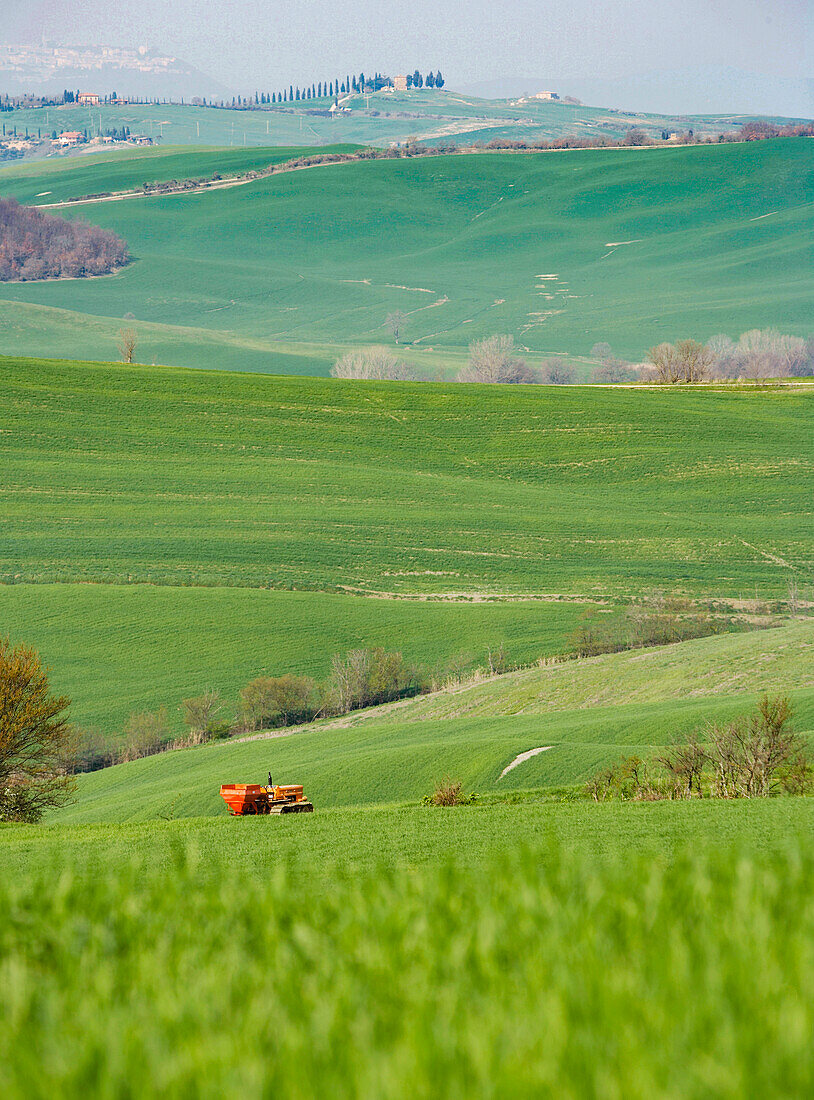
69 138
88 99
400 83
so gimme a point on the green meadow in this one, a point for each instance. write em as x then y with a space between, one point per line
562 249
584 714
125 475
115 649
563 951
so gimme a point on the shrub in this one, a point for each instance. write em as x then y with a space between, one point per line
201 714
278 700
92 751
449 792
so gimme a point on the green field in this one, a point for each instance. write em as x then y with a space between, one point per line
632 246
587 713
69 178
504 951
165 476
166 530
117 649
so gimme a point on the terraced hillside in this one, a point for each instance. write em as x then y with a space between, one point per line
560 249
582 714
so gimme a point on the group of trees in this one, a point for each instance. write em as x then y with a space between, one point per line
332 89
753 756
758 355
358 678
34 245
431 80
636 136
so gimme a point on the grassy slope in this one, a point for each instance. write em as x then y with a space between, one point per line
472 236
767 660
67 178
391 757
168 476
114 650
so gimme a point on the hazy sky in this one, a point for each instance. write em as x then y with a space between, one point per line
267 43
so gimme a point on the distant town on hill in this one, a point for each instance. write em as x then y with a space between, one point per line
47 69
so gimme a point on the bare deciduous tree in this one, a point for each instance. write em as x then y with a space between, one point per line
127 342
557 372
494 360
396 322
200 713
613 371
686 361
372 364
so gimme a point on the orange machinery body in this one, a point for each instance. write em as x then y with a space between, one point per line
251 798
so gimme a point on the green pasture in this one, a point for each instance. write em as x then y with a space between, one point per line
560 249
45 183
118 649
557 951
165 476
775 660
398 753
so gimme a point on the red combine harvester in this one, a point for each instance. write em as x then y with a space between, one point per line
243 799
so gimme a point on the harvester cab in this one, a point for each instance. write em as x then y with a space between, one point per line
246 799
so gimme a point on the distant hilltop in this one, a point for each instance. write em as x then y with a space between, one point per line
108 68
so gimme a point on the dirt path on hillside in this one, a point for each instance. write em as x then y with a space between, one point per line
522 757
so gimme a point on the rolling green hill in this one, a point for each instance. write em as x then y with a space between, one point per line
560 249
166 476
194 500
379 119
586 713
116 649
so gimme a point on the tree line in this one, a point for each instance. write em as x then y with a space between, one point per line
758 355
34 245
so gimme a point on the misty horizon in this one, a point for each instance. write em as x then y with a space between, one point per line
241 47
